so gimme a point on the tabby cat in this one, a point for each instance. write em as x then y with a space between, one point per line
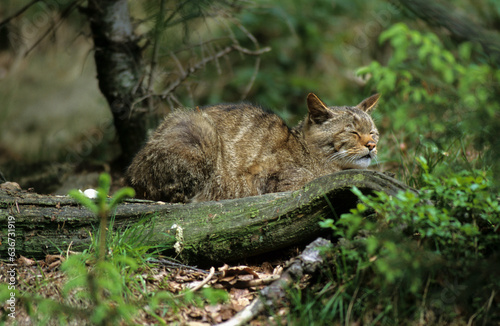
238 150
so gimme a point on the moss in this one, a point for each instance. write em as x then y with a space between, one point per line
213 231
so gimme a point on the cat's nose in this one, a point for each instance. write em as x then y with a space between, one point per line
371 145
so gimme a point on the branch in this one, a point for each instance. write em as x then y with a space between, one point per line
199 285
186 73
55 26
154 55
18 13
257 62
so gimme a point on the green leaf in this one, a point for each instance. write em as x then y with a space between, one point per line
215 296
104 182
328 223
448 76
464 51
84 200
363 71
120 195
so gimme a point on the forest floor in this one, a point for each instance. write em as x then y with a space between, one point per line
39 280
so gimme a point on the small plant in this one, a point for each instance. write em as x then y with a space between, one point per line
102 207
107 284
100 291
416 255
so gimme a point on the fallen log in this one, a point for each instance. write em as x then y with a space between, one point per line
205 232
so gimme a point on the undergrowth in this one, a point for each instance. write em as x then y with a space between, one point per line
107 284
429 257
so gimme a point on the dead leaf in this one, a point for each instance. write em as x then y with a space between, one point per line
23 261
157 277
240 298
55 264
237 270
49 259
226 313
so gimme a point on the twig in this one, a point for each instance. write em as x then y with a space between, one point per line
490 301
18 13
200 45
257 282
174 102
54 26
201 284
257 61
205 281
217 64
178 63
424 298
247 314
252 79
68 250
203 62
173 264
154 55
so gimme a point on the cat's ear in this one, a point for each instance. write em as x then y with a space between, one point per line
318 111
369 104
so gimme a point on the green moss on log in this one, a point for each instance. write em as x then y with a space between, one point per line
212 231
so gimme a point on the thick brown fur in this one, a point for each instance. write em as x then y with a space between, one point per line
238 150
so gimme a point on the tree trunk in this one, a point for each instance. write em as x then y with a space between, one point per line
211 231
119 71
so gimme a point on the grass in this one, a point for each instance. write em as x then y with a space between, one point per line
112 282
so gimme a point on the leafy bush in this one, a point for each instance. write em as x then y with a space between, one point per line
439 91
429 256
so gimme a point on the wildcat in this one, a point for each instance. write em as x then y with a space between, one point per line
237 150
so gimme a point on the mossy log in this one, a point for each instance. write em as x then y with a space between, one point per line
212 231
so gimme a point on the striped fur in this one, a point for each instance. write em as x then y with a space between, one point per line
238 150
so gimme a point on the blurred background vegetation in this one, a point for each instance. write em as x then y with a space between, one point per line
439 94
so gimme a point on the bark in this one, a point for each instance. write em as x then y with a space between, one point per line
119 71
211 231
460 27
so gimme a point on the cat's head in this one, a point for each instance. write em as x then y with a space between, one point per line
345 135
